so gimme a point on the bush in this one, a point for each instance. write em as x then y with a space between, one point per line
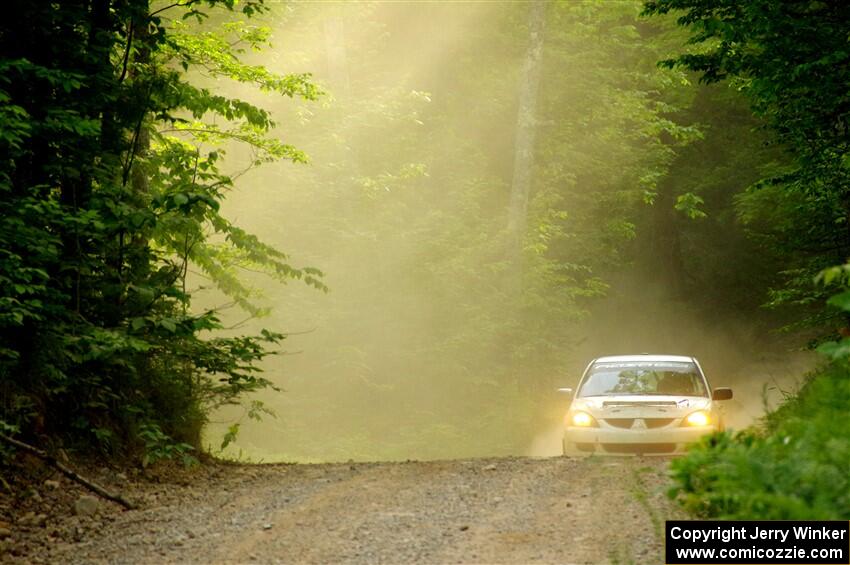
795 467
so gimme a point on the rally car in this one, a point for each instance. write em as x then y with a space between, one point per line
641 404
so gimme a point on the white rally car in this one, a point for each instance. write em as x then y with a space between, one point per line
641 404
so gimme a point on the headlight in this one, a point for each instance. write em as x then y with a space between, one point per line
581 419
698 418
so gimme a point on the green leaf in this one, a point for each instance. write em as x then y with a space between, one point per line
230 436
841 301
689 203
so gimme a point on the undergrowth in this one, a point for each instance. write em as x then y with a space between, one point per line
795 466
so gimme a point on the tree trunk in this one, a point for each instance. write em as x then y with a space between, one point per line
526 127
664 264
523 163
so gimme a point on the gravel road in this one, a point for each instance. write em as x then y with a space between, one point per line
513 510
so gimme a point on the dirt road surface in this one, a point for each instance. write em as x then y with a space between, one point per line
514 510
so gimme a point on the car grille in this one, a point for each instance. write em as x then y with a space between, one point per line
627 423
639 448
621 403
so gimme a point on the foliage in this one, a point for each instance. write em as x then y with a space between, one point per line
159 446
796 468
118 150
791 60
110 187
797 465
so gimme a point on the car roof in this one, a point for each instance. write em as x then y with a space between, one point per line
644 357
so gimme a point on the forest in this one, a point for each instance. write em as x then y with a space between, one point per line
379 231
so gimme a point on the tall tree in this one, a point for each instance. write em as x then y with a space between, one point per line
791 59
109 186
526 125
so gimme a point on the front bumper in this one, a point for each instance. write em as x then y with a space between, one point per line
643 441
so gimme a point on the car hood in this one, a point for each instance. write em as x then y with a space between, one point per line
641 406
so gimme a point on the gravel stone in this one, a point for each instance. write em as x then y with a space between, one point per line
86 505
556 510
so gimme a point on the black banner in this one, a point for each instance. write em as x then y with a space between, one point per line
694 542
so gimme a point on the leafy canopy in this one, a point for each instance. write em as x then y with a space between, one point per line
110 187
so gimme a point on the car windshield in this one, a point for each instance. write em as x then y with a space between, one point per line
643 377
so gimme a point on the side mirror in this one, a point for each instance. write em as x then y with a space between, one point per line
565 390
721 393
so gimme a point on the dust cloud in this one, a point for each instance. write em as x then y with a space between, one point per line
420 350
643 319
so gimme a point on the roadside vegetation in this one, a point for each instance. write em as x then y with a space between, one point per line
111 183
791 60
794 466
